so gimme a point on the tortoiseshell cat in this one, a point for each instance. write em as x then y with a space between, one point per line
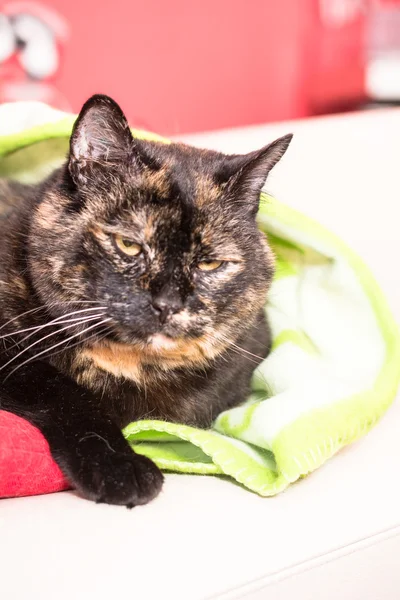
132 284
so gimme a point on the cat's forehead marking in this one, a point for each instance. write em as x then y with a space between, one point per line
20 287
48 212
213 234
148 230
207 191
157 182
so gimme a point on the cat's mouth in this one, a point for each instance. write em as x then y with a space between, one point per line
151 335
171 345
163 339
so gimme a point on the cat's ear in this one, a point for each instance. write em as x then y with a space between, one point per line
245 175
100 138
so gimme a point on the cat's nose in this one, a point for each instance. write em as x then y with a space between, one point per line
167 302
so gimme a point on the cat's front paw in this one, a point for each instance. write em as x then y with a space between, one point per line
119 478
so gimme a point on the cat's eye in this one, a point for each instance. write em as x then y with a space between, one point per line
127 246
209 265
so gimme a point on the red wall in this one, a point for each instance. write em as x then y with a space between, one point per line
182 65
187 65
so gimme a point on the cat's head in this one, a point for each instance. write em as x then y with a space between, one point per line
162 235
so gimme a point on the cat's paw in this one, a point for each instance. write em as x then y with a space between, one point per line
119 478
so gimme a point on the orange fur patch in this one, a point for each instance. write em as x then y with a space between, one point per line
123 360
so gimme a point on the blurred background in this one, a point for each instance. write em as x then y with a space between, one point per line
179 66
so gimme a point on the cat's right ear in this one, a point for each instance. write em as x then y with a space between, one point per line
100 139
244 175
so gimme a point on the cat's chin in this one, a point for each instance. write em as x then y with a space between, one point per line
160 342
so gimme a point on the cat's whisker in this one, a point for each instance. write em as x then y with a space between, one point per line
44 307
76 321
53 333
245 356
236 351
51 348
27 312
77 302
100 335
82 310
241 351
38 328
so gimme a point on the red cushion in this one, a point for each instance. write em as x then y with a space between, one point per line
26 465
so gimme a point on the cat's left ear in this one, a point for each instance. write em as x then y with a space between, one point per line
100 138
245 175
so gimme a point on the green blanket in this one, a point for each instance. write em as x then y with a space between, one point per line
334 366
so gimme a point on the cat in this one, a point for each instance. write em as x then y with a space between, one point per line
132 285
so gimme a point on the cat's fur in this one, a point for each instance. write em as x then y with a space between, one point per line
121 337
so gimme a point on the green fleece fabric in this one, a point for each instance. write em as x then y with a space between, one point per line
334 365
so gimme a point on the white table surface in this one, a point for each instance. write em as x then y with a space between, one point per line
334 534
